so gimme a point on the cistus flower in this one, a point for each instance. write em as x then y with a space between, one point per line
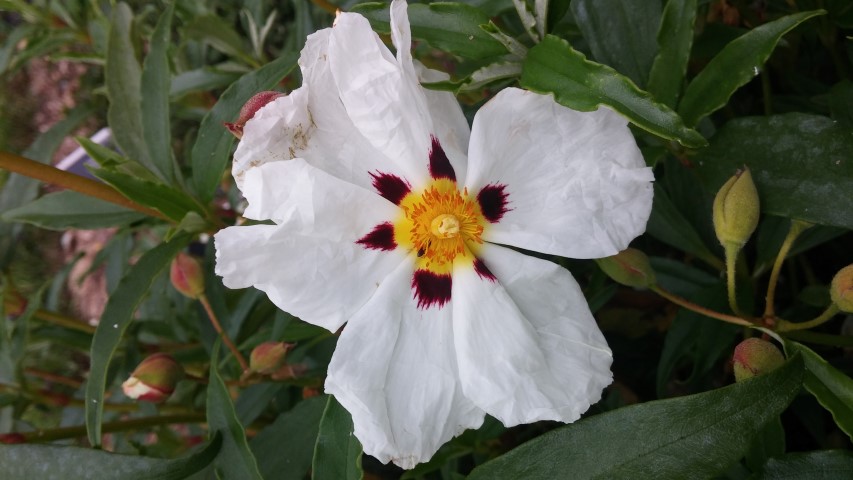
391 215
154 379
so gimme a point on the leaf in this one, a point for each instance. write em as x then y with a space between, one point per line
831 387
235 460
668 224
220 35
817 465
201 79
117 316
737 64
452 27
285 448
167 200
675 38
621 33
697 436
337 454
553 66
156 81
69 209
213 146
800 163
53 462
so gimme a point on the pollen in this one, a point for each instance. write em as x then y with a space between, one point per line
440 224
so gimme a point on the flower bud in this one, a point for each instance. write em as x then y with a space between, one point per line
736 209
14 304
841 289
268 357
629 267
186 275
249 109
12 438
154 379
754 357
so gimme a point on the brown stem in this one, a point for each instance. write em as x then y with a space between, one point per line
700 309
63 321
108 427
225 339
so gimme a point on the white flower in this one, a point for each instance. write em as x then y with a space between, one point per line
388 218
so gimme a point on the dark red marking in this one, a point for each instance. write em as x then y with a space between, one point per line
483 271
439 164
431 288
380 238
392 187
493 202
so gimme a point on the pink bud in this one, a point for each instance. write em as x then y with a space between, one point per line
154 379
249 109
186 275
268 357
754 357
841 289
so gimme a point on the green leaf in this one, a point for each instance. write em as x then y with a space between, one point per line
675 38
68 209
737 64
452 27
285 447
212 148
235 460
831 387
800 163
337 454
167 200
221 36
156 81
669 225
53 462
697 436
555 67
117 316
201 79
818 465
621 33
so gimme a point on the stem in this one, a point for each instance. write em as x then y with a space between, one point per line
731 258
785 326
63 321
55 176
225 339
325 5
699 309
108 427
797 227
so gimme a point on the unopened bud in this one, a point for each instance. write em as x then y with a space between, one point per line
268 357
154 379
187 276
249 109
629 267
736 209
841 289
14 304
754 357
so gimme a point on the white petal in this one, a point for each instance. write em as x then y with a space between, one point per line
394 369
577 183
449 122
528 348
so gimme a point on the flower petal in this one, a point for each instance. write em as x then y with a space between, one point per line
394 369
577 184
449 122
527 345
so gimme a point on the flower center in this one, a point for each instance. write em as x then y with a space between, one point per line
445 225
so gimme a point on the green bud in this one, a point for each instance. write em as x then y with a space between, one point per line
154 379
186 275
754 357
268 357
841 289
736 209
629 267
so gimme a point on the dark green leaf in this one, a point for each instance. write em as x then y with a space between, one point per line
621 33
675 38
800 163
221 36
116 318
285 448
53 462
698 436
213 146
156 80
555 67
452 27
68 209
770 442
167 200
736 65
832 388
818 465
669 225
235 460
202 79
337 454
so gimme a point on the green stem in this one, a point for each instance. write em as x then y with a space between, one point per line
120 426
225 338
797 227
63 321
785 326
732 251
700 309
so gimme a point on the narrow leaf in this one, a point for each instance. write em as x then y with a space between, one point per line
68 209
156 81
660 439
337 454
213 146
831 387
117 316
285 448
675 38
220 35
53 462
555 67
235 460
818 465
167 200
670 226
737 64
